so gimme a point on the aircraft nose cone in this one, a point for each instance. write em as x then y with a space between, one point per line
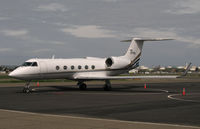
12 74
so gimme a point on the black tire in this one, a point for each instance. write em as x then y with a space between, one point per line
107 88
83 86
26 90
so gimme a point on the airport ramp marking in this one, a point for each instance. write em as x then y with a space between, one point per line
157 91
100 119
172 96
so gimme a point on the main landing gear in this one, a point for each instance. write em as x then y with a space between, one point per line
82 86
26 89
107 86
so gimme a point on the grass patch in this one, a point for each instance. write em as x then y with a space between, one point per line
20 81
4 76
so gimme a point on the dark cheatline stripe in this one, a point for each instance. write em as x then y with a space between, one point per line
136 64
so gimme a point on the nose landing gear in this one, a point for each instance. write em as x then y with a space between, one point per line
27 89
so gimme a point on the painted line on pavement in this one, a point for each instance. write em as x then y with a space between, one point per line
99 119
172 96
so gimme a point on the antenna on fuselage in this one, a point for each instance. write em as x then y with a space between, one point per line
53 57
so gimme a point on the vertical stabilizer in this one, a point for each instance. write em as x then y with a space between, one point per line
135 49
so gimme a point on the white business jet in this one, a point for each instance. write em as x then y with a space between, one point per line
85 69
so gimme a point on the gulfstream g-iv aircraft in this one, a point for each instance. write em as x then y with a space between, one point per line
85 69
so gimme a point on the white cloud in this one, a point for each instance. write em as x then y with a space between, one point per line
166 33
5 49
24 34
185 7
52 7
14 33
89 31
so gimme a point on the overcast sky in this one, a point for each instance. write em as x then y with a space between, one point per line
80 28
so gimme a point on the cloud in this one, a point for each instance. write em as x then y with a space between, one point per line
6 49
166 33
53 7
185 7
14 33
89 31
24 34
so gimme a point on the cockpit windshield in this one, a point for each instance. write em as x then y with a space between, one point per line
34 64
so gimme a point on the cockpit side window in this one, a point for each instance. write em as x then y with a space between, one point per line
34 64
27 64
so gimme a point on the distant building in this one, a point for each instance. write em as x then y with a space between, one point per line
169 67
194 69
181 67
3 72
162 68
133 71
143 68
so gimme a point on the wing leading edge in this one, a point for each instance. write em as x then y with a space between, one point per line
85 76
82 77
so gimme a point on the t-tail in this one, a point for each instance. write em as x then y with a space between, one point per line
135 50
132 57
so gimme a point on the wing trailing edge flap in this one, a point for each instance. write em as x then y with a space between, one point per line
92 76
81 77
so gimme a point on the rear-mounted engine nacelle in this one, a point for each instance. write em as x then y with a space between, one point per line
116 62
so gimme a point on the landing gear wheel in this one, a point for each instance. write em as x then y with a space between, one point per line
107 87
26 90
82 86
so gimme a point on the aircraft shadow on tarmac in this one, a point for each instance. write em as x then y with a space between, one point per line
98 88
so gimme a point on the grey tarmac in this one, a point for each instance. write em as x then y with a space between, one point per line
128 105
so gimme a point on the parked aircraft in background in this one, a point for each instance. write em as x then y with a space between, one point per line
85 69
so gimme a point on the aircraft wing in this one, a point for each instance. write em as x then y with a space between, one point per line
82 77
91 76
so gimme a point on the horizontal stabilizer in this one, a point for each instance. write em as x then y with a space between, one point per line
146 39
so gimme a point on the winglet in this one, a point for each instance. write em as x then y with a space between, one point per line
187 69
53 57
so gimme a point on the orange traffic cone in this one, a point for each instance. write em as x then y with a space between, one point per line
38 84
183 93
145 86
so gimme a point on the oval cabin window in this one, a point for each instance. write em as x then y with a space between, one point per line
64 67
72 67
93 67
57 67
86 67
79 67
